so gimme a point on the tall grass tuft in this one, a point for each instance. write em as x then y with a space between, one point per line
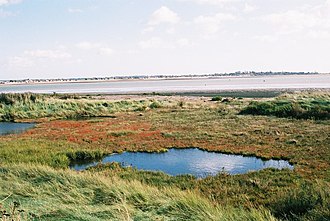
308 202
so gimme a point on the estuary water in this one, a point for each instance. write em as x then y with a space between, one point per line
182 85
194 161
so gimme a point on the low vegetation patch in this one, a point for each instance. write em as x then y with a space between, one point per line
318 109
121 133
216 98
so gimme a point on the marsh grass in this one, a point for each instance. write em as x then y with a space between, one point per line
313 108
121 133
14 212
216 98
307 202
32 106
56 154
67 195
287 195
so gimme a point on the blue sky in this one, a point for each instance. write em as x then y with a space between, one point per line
87 38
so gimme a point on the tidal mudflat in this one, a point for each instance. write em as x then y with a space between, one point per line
276 82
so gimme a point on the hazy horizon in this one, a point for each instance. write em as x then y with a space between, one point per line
44 39
169 75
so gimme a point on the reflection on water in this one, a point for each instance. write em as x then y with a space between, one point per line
14 128
190 161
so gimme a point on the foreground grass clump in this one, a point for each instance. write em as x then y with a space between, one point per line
51 194
287 195
308 202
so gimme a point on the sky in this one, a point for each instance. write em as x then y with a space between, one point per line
99 38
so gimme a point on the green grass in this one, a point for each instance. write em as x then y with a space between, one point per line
216 98
32 106
286 194
56 154
312 108
307 202
51 194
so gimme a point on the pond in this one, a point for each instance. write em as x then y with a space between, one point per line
14 128
189 161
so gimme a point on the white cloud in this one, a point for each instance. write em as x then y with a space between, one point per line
160 43
75 10
49 54
154 42
249 8
30 58
4 14
211 24
148 29
86 45
170 30
106 51
163 15
7 2
99 47
184 42
211 2
302 19
319 34
20 62
265 38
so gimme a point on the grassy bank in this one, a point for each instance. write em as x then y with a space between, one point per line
35 106
47 194
15 107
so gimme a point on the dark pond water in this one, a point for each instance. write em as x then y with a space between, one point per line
14 128
190 161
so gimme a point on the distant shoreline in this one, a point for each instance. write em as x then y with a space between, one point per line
130 79
176 85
